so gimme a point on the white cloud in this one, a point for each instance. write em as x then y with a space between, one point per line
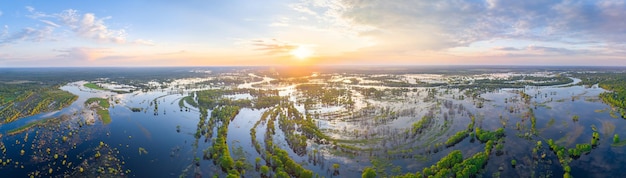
89 26
440 25
491 3
1 13
271 46
535 50
35 14
50 23
69 17
28 34
303 9
330 16
32 34
86 25
30 9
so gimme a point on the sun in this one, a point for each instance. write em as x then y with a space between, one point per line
302 52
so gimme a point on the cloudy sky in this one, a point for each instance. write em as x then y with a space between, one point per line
312 32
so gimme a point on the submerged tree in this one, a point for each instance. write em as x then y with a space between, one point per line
265 170
336 169
368 173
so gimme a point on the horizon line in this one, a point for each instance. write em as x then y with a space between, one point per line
326 65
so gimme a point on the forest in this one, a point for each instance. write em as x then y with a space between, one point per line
27 99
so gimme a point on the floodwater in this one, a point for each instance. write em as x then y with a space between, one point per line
161 142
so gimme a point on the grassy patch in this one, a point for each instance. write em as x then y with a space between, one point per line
103 110
104 103
93 86
104 115
600 110
26 127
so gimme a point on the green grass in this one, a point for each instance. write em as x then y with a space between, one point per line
96 87
26 127
93 86
103 110
104 115
104 103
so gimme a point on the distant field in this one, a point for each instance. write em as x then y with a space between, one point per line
93 86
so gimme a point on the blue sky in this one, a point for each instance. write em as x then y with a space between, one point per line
292 32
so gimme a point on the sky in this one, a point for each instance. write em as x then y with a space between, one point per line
44 33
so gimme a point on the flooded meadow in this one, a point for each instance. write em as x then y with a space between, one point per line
533 124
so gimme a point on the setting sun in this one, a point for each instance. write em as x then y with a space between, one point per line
302 52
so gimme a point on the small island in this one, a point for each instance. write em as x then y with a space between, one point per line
101 106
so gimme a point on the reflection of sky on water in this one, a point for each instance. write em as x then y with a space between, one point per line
170 151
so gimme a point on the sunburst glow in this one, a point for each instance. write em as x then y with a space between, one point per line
302 52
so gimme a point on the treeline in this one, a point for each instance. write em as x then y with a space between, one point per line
516 82
486 135
460 135
424 123
470 167
216 97
18 101
277 158
614 82
456 138
617 96
289 81
219 152
297 129
318 93
598 77
453 165
565 155
288 124
379 94
390 83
